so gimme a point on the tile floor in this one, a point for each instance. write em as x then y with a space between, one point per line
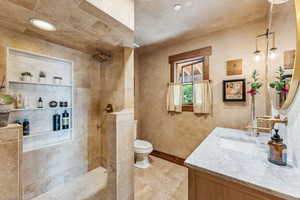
162 181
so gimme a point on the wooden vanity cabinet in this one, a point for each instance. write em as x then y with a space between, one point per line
204 186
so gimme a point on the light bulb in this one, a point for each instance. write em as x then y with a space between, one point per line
272 55
257 58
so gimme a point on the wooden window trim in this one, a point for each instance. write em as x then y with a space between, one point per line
203 52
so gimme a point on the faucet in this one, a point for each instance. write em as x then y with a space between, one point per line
271 121
277 120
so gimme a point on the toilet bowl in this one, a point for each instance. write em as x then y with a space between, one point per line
142 150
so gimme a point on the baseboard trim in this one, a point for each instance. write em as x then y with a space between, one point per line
168 157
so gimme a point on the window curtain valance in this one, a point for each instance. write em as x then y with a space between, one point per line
174 97
202 97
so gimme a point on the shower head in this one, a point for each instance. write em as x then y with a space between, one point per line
102 56
278 1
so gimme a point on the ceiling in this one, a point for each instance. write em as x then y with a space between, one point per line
79 24
156 21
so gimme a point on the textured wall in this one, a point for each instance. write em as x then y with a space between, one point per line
48 167
179 134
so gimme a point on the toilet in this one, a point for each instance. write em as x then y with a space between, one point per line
142 149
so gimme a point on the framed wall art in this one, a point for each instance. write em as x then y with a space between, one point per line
289 59
234 90
234 67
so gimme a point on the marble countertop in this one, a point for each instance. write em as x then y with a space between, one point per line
234 155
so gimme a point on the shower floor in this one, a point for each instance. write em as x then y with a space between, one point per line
90 186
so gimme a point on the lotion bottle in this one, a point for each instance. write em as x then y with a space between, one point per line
277 150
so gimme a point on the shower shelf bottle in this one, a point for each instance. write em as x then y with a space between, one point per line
65 120
56 122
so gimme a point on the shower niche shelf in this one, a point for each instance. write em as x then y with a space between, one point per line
37 83
40 109
41 119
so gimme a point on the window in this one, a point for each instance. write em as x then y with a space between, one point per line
188 67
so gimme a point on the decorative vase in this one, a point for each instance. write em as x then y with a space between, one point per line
253 117
280 99
253 114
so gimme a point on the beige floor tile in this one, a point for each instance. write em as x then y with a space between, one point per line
162 181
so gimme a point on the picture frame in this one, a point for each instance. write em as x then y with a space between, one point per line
234 90
234 67
289 59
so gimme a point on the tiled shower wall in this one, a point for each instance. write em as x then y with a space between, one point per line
46 168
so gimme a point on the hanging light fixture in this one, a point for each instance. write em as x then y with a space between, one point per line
256 52
273 49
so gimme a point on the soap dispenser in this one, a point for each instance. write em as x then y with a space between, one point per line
277 150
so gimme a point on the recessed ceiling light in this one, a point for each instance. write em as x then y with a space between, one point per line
43 25
177 7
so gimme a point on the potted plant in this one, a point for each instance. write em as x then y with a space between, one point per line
26 76
6 104
255 85
281 86
42 77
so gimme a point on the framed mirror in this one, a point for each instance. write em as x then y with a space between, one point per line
285 70
296 71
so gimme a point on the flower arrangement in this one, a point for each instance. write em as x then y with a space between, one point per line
281 85
255 85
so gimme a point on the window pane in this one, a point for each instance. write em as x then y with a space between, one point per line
187 72
198 71
178 73
188 94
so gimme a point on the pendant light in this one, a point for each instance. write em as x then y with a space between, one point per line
257 55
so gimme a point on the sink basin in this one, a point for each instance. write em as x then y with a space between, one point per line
237 144
244 143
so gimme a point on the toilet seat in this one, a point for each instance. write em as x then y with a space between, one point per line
142 146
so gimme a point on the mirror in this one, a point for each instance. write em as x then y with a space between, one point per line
284 60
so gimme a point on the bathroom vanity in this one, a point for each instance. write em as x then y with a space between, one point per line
230 165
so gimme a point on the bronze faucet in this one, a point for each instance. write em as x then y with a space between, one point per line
269 126
277 120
